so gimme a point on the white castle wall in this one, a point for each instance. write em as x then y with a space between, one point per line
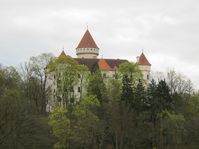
87 52
82 82
51 83
145 69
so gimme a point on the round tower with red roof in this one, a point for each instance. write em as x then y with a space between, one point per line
87 47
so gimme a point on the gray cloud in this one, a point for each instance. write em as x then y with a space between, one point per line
167 30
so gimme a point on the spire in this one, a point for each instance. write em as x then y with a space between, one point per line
142 60
87 41
63 54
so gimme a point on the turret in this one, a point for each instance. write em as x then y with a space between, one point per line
63 54
87 47
144 66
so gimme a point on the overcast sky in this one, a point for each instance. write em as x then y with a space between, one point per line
167 30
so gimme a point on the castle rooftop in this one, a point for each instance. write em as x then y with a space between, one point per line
87 41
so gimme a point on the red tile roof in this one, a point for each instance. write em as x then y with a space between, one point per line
87 41
93 64
103 65
143 60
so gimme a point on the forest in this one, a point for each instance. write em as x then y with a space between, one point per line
116 113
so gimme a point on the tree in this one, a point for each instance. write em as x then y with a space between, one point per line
130 70
9 79
139 103
97 87
127 91
61 124
131 79
88 123
67 74
21 126
159 100
34 75
114 90
178 83
163 92
76 129
174 130
191 114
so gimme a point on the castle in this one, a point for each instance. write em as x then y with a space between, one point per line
87 53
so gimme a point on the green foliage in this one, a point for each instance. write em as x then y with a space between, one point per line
127 91
52 66
67 71
174 125
9 79
128 68
193 105
122 113
131 70
21 126
114 90
60 124
34 76
76 128
133 92
159 98
97 87
139 103
163 96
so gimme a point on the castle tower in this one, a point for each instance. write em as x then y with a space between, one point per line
144 66
87 47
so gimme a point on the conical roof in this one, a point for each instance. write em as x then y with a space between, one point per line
143 60
87 41
63 54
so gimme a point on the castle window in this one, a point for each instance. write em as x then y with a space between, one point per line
147 77
79 89
104 75
115 76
